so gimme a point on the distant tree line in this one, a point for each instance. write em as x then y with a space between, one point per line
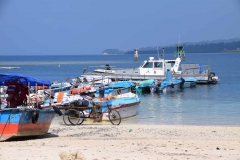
197 48
201 47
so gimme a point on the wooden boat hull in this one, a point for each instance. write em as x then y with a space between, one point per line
24 122
125 110
126 106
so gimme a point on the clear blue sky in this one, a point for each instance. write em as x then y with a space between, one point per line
91 26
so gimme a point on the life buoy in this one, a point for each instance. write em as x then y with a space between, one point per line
75 91
83 90
173 71
35 116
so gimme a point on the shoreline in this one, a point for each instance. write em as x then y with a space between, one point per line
99 141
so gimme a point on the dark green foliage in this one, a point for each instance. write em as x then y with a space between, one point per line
201 47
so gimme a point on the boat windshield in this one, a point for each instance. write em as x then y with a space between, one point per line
157 64
148 65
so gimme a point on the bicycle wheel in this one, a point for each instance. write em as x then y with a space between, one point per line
65 118
82 116
74 116
114 117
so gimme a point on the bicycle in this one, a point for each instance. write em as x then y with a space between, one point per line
75 115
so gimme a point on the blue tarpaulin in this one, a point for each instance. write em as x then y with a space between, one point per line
4 78
122 84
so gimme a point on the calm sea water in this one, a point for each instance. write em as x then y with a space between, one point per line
204 105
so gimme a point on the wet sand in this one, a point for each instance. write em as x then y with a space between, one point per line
103 141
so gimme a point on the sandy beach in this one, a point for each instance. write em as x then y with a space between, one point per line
103 141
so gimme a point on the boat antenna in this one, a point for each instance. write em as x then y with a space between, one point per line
158 49
178 45
179 54
163 52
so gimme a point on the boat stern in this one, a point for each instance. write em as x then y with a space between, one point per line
19 122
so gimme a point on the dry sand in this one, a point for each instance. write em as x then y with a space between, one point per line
103 141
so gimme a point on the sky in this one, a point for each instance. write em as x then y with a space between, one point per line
75 27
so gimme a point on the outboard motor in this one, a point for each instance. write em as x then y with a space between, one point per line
133 89
155 86
182 82
212 74
212 78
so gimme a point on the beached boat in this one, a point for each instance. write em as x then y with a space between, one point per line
156 69
120 96
126 104
19 119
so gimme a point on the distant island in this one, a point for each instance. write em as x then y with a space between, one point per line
216 46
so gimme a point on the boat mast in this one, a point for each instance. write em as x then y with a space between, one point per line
179 53
159 48
178 46
163 52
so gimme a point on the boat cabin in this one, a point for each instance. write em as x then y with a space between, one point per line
158 67
152 67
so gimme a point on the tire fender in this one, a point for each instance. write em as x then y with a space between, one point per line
35 116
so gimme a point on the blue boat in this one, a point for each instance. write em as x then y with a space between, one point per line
19 119
168 84
189 82
115 89
144 85
120 96
171 84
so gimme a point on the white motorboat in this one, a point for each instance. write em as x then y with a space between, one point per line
156 69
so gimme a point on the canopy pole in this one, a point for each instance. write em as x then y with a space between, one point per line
36 96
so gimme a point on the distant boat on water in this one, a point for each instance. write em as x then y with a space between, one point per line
9 67
105 53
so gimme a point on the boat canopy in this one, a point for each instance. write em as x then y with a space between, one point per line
122 84
26 80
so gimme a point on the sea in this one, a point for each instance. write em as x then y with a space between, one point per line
212 105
